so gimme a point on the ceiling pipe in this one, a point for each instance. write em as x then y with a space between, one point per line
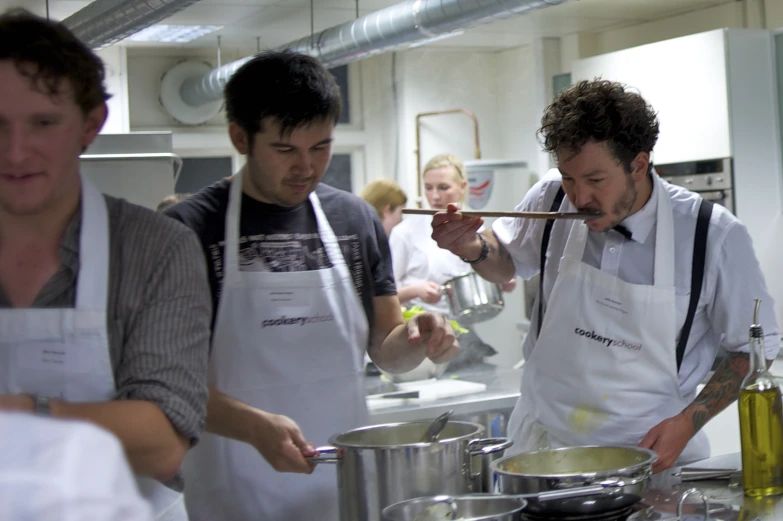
104 22
394 27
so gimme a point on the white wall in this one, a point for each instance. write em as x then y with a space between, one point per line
434 80
115 64
748 14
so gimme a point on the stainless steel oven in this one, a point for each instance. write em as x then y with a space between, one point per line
713 179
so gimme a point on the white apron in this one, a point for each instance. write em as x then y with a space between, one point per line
604 370
287 343
64 353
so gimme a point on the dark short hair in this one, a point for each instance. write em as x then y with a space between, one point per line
602 111
47 52
291 88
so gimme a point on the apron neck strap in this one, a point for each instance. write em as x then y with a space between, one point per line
92 286
233 213
664 237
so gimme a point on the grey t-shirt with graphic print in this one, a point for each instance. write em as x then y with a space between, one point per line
286 239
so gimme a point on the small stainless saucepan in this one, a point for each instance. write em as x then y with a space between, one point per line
472 299
475 507
604 479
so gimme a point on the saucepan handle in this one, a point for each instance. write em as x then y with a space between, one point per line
569 493
326 455
488 446
621 482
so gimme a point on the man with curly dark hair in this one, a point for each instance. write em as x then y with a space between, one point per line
638 299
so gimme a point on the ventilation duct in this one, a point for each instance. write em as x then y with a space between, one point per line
104 22
394 27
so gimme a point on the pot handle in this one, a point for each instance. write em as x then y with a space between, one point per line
488 446
569 493
704 498
326 454
603 487
617 482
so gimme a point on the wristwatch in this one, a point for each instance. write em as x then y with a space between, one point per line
484 251
42 407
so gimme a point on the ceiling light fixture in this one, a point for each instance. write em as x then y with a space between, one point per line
173 33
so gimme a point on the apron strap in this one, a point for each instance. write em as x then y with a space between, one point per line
697 274
544 246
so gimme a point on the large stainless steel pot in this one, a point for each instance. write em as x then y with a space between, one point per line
475 507
619 477
472 299
384 464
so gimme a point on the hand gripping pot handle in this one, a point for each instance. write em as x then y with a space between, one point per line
326 454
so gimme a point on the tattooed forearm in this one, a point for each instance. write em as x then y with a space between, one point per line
720 391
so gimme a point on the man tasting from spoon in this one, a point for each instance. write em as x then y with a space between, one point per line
613 356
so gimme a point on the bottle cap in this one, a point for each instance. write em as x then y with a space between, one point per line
756 331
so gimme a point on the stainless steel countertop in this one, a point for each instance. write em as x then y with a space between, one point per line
727 501
501 395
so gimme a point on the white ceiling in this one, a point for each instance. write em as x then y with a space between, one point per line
278 22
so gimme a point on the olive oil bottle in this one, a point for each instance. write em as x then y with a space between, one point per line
761 422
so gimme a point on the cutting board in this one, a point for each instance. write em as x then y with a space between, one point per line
429 391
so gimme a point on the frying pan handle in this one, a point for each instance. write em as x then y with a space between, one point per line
570 492
326 455
603 487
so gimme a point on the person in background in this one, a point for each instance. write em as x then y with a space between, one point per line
420 266
388 199
170 200
635 302
54 470
302 282
104 305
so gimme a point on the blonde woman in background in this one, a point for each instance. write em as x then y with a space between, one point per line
420 266
388 199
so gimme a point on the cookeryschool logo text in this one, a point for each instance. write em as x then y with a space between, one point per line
610 342
296 321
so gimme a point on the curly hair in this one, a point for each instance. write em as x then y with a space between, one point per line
46 52
601 111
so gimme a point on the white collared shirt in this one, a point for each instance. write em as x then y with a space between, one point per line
62 470
732 277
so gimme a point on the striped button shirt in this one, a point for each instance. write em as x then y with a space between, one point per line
159 310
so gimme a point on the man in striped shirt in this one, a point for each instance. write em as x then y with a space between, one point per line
104 306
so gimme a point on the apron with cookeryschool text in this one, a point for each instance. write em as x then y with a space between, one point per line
289 343
64 353
603 370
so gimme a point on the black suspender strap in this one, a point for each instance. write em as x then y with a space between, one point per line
697 274
544 246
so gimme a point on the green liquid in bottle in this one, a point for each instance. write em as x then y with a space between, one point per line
761 432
